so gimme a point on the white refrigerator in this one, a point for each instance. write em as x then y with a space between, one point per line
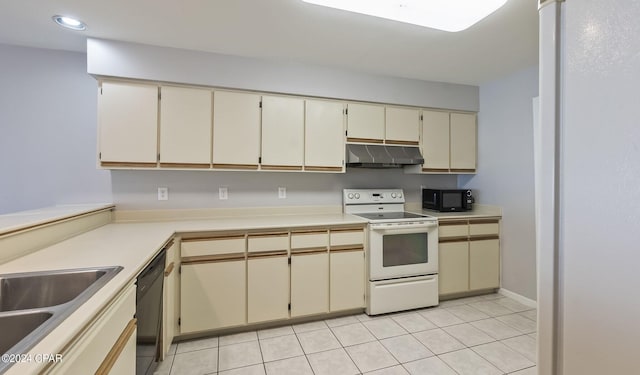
588 187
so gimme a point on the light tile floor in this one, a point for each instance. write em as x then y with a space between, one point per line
488 334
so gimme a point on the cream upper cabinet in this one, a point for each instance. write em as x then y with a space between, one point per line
448 142
463 142
128 122
324 135
185 127
435 141
365 123
282 132
402 126
236 130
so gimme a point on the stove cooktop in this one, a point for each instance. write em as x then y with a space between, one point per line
374 216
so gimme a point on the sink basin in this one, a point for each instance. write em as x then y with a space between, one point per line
32 304
16 327
43 289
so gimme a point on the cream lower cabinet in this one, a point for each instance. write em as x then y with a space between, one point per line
346 275
268 276
346 269
468 255
170 326
268 288
213 295
453 263
484 264
309 272
107 346
309 283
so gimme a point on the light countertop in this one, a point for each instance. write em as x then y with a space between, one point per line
132 246
25 219
478 212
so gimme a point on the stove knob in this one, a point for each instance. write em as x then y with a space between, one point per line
393 195
357 195
399 195
350 195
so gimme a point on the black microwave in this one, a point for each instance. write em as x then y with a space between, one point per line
447 200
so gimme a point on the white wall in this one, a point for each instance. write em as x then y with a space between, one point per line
505 172
199 189
48 151
599 250
138 61
47 130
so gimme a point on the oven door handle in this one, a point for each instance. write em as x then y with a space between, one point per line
404 229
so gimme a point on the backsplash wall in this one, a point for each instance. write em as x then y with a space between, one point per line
138 190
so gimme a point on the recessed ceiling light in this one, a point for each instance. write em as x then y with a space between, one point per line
447 15
69 23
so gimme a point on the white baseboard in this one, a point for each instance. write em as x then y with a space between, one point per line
515 296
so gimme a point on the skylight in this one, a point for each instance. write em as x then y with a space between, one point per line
446 15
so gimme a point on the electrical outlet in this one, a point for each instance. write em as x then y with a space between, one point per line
223 193
282 192
163 194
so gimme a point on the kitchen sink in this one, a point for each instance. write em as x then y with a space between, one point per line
43 289
16 327
32 304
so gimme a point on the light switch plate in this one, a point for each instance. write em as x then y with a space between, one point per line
282 192
163 194
223 193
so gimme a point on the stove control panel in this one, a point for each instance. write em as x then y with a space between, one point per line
372 196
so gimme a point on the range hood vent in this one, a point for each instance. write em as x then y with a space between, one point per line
379 156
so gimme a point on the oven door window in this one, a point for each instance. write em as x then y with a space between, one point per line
404 249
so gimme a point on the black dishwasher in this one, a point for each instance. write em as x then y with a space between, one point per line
149 314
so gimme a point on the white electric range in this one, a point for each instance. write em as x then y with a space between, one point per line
402 253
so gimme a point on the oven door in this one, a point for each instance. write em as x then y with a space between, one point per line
401 250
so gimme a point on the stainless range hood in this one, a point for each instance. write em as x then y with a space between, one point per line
380 156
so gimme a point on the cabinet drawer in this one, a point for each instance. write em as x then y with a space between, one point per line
484 228
213 246
446 230
268 242
347 237
312 239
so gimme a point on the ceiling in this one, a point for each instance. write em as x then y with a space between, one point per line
291 31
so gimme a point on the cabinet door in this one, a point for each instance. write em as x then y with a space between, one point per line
402 126
463 142
236 130
346 281
453 263
365 123
185 126
435 141
282 132
128 121
212 295
268 289
484 264
309 284
170 298
324 135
